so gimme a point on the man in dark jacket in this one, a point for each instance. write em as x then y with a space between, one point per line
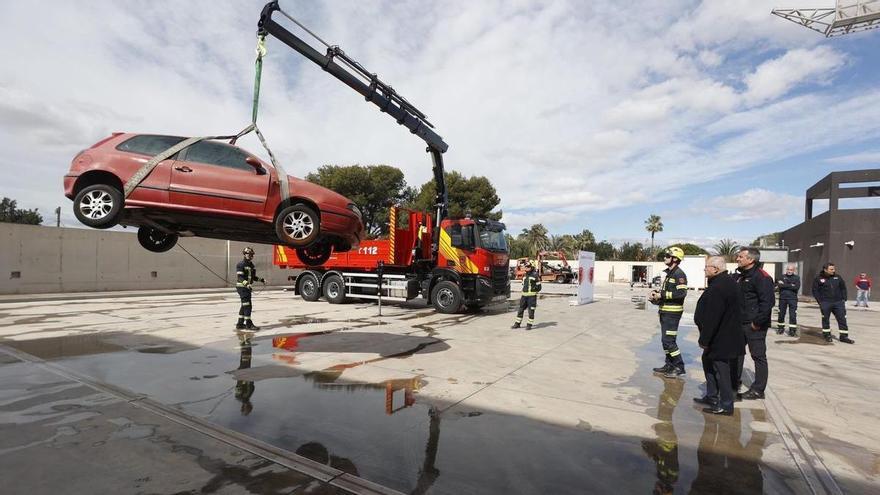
529 299
829 290
756 298
789 285
719 320
670 298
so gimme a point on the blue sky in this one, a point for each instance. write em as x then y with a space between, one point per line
715 115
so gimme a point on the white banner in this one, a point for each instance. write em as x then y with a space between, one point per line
586 260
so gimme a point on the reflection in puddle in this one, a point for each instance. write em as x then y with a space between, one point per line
664 449
806 335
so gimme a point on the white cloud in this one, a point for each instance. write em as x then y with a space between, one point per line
867 157
753 204
776 77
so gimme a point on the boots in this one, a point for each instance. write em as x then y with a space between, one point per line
528 326
515 325
827 337
846 340
240 324
674 372
250 326
779 330
663 369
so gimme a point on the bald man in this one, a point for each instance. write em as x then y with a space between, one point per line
789 286
719 319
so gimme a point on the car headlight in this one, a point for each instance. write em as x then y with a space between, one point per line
357 211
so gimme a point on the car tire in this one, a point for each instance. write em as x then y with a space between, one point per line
446 297
560 279
155 240
98 206
308 287
334 289
314 255
297 225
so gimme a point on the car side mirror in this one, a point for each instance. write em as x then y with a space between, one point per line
253 162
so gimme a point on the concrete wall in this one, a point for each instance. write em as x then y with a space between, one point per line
39 259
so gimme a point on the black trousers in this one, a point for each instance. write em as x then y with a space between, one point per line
244 312
668 334
756 340
719 379
527 302
838 308
790 306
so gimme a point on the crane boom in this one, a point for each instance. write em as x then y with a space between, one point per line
368 85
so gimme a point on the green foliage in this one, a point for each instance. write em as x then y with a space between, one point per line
9 213
726 248
604 250
692 249
476 195
768 240
535 238
632 252
653 225
372 187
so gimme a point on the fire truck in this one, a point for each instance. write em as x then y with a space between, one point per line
453 263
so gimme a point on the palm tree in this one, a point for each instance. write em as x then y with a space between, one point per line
653 225
535 237
726 248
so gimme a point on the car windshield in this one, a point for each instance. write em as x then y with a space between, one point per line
493 240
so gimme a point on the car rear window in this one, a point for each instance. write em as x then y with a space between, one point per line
216 153
147 144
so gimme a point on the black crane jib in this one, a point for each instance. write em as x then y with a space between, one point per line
380 94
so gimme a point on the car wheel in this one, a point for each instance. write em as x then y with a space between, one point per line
155 240
297 225
308 286
334 289
560 279
314 255
446 297
98 206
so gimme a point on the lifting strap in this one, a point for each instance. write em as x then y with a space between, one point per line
151 164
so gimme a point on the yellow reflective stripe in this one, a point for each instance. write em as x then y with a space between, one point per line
672 309
674 332
240 273
246 304
668 295
675 353
681 286
530 293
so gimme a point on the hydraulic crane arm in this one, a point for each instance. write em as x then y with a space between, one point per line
355 76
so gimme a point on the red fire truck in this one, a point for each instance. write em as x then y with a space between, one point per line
453 263
467 267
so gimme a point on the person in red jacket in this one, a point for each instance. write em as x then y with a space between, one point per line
863 289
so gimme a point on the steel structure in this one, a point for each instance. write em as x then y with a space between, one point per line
848 16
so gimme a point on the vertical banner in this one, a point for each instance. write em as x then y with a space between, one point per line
586 260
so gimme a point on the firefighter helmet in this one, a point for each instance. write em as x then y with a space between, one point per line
675 252
248 251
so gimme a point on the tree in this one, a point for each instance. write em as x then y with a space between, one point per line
767 240
535 238
604 250
475 195
632 252
726 248
10 214
372 187
565 243
653 225
692 249
517 248
585 241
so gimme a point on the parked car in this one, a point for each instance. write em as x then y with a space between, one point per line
209 189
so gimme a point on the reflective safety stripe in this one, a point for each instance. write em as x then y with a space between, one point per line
246 318
843 332
530 293
792 325
681 286
243 284
530 321
668 295
675 353
673 332
239 273
672 308
245 304
826 330
519 320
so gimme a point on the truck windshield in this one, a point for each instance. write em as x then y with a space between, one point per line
493 240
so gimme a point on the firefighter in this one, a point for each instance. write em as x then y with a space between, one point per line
789 285
670 298
247 275
829 290
529 299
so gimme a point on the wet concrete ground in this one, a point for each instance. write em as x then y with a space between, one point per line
426 403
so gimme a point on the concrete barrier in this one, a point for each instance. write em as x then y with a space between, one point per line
37 259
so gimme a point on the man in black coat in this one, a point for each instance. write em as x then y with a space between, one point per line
719 320
756 299
789 286
829 289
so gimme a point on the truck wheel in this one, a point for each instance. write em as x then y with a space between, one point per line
447 297
308 287
155 240
560 279
334 289
314 255
98 206
297 225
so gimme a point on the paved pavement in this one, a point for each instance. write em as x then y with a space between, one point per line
157 394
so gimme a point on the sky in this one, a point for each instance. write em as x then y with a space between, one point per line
715 115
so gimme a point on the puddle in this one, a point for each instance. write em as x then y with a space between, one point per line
67 346
805 335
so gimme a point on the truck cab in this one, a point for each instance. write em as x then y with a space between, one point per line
475 251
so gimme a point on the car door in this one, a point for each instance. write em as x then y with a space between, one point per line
214 177
137 151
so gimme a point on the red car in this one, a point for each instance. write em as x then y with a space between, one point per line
209 189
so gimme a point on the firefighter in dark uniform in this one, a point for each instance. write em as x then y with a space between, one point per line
529 299
670 298
244 389
247 275
788 285
830 292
